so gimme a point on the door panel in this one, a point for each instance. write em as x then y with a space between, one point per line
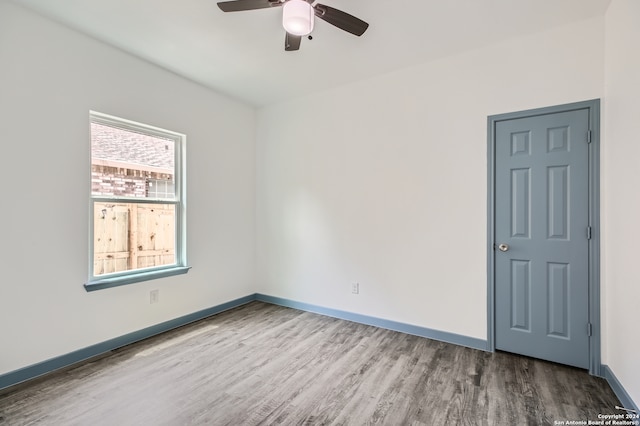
542 214
520 295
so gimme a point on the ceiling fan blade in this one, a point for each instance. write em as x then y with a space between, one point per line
292 42
240 5
341 19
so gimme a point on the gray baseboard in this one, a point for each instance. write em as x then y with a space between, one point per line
442 336
36 370
619 390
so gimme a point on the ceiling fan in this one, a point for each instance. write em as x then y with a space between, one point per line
298 16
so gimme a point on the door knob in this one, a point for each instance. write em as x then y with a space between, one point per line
503 247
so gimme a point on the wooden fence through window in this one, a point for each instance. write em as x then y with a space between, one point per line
130 236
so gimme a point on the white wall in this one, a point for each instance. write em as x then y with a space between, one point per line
385 181
621 194
50 77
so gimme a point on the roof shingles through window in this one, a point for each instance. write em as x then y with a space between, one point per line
113 144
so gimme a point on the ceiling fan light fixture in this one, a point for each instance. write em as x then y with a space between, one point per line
297 17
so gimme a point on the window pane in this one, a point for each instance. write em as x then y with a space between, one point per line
129 236
163 189
125 163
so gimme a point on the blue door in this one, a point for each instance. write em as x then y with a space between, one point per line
542 236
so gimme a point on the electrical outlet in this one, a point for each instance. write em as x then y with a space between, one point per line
355 288
154 296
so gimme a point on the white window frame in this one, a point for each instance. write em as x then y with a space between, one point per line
138 275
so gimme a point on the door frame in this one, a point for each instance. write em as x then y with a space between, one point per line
593 107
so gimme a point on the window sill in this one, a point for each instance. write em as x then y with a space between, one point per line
102 283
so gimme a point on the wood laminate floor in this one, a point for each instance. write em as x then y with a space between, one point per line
262 364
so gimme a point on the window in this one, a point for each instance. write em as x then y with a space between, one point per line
137 202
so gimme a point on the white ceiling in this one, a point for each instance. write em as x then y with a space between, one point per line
241 54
